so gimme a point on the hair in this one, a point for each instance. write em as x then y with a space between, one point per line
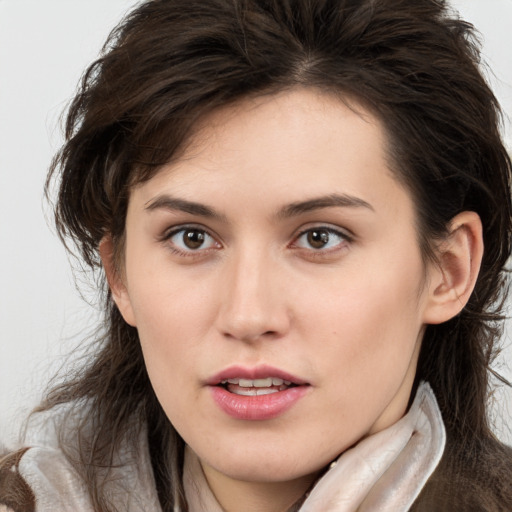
413 63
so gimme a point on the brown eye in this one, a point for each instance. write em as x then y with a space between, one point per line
318 238
321 239
193 238
188 240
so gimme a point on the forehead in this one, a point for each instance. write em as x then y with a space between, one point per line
281 148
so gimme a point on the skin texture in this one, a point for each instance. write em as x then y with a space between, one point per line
346 318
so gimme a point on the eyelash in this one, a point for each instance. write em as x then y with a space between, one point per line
344 237
200 251
167 237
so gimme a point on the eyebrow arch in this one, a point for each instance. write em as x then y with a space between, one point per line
332 200
167 202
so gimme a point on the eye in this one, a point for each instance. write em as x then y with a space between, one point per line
191 239
321 238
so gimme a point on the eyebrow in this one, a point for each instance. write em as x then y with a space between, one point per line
166 202
330 201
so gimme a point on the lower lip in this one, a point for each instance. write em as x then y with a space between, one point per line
254 408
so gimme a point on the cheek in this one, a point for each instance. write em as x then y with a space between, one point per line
171 326
368 319
174 314
168 302
170 355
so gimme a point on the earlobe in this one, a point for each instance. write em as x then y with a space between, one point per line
453 278
115 280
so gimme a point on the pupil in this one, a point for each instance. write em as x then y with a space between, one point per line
193 239
318 238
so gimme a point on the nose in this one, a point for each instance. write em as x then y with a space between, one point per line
253 305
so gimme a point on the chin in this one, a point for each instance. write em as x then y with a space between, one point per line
273 468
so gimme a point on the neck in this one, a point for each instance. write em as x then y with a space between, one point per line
256 496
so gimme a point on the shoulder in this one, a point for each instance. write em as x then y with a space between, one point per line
475 479
40 475
49 474
15 493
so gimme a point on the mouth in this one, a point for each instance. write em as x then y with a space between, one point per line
260 393
256 387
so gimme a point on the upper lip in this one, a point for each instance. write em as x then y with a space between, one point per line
257 372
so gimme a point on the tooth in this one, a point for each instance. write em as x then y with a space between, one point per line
265 391
262 383
258 383
245 391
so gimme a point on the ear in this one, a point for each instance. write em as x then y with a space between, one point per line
453 277
115 280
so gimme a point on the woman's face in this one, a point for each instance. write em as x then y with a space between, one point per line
275 279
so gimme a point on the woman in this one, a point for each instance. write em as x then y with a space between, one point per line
302 210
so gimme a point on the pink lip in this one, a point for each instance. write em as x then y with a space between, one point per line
262 407
259 372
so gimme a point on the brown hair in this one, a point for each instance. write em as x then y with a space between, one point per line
14 491
172 61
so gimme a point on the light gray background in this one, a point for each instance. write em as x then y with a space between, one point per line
44 47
